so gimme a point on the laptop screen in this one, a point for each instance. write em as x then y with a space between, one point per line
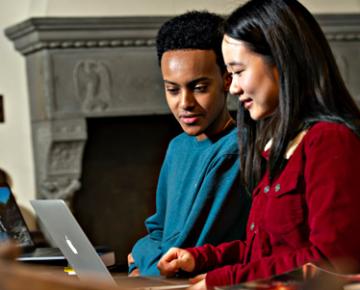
12 224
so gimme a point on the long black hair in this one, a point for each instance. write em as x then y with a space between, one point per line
310 85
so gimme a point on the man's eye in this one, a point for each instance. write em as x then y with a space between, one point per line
201 89
172 91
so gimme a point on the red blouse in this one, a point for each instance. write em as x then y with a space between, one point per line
310 213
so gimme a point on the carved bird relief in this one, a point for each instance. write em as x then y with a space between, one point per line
92 85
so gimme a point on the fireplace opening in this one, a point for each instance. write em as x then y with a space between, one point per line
121 164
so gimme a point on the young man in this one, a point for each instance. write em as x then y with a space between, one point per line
199 198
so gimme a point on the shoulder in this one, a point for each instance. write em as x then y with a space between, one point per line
330 127
228 143
330 131
332 136
223 151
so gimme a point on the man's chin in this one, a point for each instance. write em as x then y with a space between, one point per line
193 133
198 135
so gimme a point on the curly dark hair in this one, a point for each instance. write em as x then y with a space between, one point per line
192 30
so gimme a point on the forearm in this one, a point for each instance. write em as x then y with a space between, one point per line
146 253
263 268
208 256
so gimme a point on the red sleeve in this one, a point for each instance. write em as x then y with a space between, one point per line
332 181
209 256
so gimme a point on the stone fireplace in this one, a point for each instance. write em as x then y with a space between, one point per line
100 124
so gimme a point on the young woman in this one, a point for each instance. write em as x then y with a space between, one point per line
299 146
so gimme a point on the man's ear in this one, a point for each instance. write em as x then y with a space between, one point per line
227 81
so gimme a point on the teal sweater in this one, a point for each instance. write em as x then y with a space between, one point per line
199 199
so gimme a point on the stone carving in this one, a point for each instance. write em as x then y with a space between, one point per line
92 84
70 129
65 156
88 44
343 36
59 147
61 188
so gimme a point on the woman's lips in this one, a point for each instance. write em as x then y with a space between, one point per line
247 103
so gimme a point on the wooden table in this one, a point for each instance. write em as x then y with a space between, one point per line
50 277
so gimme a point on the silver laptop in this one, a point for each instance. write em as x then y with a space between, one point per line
67 234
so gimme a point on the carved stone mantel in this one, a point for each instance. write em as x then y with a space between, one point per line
82 68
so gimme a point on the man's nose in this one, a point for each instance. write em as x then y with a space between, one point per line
187 100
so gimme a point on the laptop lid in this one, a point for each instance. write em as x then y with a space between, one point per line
67 234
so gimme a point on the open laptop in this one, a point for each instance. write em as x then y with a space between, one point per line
72 241
13 226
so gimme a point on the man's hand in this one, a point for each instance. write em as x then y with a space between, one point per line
174 260
134 272
130 259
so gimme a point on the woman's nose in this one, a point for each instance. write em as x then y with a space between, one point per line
235 88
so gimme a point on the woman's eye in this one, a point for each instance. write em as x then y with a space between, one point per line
236 73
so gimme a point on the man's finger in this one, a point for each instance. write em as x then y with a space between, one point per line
130 259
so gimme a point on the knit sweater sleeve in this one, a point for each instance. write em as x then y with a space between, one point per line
147 250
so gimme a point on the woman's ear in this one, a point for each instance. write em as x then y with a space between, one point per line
227 81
